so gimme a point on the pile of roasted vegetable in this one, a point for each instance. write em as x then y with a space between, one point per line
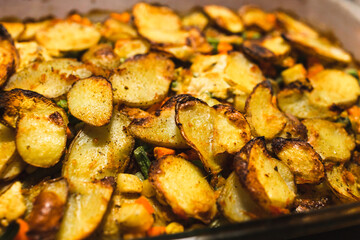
150 122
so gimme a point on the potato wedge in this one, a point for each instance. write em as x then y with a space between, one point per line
264 117
88 202
113 30
9 57
295 101
103 56
159 129
271 48
301 158
334 87
66 35
91 101
329 139
142 80
206 130
236 203
224 18
40 126
184 188
98 152
14 28
12 203
47 209
342 182
51 78
261 176
30 52
253 16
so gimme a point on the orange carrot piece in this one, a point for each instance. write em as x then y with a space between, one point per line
156 231
161 151
271 18
143 201
24 228
184 155
315 69
224 47
122 17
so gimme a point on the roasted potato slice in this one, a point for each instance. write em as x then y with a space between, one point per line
30 52
301 158
91 101
64 35
271 48
113 30
236 203
292 25
205 129
342 182
51 78
14 28
40 126
224 18
143 80
295 101
263 178
159 129
295 73
184 188
85 208
127 48
103 56
329 139
264 117
253 16
293 129
195 19
12 203
13 168
98 152
334 87
31 28
47 209
9 57
7 146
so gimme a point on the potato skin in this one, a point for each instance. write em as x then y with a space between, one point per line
9 56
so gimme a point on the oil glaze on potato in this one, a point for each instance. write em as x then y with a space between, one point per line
12 203
184 188
90 100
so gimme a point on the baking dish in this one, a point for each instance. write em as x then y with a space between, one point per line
335 16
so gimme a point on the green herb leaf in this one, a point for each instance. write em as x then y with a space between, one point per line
10 231
142 160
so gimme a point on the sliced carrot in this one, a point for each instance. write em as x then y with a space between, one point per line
161 151
24 228
122 17
143 201
184 155
315 69
271 18
69 134
156 231
78 19
224 47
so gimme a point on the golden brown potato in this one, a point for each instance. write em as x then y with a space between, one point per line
236 203
271 48
133 217
85 208
159 129
143 80
31 28
184 188
98 152
128 183
205 129
255 17
195 19
293 129
127 48
51 78
66 35
295 73
103 56
91 101
13 168
224 18
114 30
15 29
8 56
301 158
329 139
292 25
263 178
40 126
295 101
47 209
30 52
7 146
334 87
264 117
342 182
12 203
